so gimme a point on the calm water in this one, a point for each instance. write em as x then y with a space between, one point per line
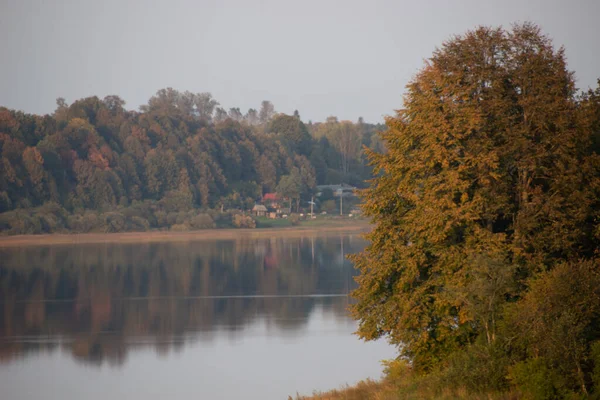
247 319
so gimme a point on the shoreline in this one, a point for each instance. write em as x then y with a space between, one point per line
169 236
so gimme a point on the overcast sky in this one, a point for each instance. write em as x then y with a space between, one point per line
344 58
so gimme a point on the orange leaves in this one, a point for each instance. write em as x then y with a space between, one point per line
33 161
484 173
98 159
140 134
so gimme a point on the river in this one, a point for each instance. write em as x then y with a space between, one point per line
244 318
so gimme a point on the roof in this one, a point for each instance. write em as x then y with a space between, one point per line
259 207
270 196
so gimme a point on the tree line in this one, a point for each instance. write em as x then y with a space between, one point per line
483 265
181 160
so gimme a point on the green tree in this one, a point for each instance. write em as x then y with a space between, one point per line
290 186
345 137
292 131
556 322
267 111
267 173
181 151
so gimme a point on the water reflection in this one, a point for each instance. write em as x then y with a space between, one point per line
100 302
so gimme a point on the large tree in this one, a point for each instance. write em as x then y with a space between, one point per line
292 132
486 182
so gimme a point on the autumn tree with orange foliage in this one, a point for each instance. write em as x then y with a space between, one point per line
490 181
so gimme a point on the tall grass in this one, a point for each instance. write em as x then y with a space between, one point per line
401 383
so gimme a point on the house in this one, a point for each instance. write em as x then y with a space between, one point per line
276 204
271 200
259 210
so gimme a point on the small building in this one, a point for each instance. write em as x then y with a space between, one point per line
259 210
272 200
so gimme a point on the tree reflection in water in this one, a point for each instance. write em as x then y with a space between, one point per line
100 301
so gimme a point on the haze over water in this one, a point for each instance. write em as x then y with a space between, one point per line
246 318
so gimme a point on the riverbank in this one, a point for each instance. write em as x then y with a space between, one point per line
305 228
386 390
400 382
362 390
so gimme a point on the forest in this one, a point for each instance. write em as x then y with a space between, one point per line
181 162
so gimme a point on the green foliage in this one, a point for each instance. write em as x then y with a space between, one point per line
264 222
478 368
557 319
290 185
326 194
534 380
330 206
595 358
292 131
202 221
176 155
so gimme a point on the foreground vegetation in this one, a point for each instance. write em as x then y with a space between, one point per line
400 382
483 264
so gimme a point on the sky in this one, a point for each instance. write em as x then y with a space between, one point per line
343 58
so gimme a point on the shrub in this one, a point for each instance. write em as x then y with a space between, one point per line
182 217
554 325
224 220
171 218
113 222
180 228
477 368
533 379
295 219
243 221
202 221
330 206
139 224
90 222
161 219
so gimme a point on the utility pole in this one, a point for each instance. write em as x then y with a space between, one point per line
341 201
312 202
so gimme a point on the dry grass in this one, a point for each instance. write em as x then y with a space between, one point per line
367 389
371 390
401 383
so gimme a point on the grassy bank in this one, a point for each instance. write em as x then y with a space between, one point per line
400 383
377 390
313 227
320 221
